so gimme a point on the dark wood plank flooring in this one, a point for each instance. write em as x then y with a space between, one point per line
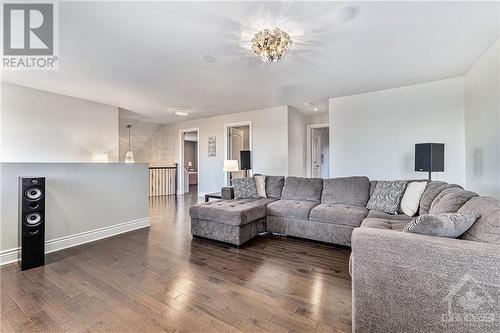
159 279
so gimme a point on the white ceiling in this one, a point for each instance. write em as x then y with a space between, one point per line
146 57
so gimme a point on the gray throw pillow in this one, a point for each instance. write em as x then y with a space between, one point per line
274 186
245 188
450 225
387 196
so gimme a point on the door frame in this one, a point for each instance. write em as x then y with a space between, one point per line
227 126
309 143
180 171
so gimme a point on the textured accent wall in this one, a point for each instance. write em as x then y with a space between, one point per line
144 137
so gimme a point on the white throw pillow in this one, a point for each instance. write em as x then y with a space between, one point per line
260 181
411 198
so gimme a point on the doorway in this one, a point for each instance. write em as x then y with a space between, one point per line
238 138
189 161
318 151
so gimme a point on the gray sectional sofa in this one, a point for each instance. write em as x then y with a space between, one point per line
323 210
401 282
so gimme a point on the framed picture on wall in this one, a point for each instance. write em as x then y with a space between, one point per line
212 146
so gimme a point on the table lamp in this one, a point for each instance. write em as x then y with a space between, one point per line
231 166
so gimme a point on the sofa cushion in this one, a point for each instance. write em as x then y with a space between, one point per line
302 189
449 225
274 186
346 190
232 212
450 201
431 192
291 208
397 225
338 214
411 198
487 228
372 213
245 188
387 196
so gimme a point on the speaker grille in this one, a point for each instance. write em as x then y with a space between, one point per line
33 219
33 193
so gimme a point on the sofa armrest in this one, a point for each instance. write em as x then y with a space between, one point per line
403 282
227 193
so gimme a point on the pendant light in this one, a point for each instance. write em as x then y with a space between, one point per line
129 157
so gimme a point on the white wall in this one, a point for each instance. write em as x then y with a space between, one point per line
374 134
482 124
269 144
38 126
80 198
297 164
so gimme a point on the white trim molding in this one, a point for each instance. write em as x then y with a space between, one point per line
53 245
227 126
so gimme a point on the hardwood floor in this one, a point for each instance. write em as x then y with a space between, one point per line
159 279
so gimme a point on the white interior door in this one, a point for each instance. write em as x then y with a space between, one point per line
316 153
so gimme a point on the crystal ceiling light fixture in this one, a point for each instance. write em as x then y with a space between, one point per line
271 44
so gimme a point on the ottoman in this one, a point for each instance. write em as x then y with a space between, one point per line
229 221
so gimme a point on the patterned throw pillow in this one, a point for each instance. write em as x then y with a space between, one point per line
387 196
450 225
245 188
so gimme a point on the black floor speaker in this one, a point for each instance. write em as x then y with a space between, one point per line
32 221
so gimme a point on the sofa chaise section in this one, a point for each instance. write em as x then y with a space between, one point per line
229 221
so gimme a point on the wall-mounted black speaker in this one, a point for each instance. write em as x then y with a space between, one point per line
245 162
32 221
429 157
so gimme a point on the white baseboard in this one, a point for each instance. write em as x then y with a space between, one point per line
13 255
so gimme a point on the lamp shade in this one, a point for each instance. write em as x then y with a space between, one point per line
429 157
129 158
231 165
246 163
190 164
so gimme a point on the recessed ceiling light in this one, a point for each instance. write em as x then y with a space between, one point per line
315 109
345 14
181 112
209 59
308 103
